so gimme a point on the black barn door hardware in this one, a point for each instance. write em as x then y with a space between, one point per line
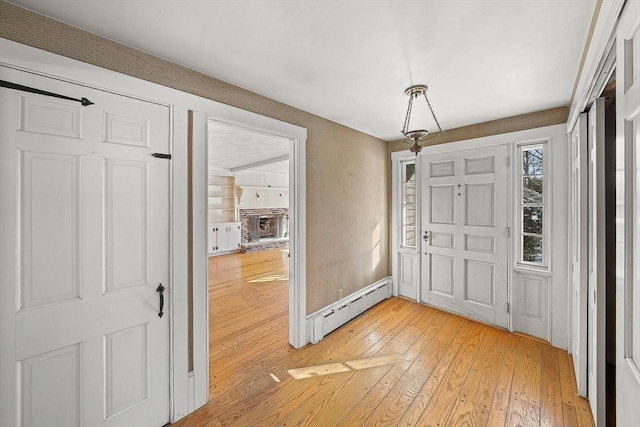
160 289
84 101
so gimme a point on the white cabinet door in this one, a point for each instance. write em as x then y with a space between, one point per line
464 240
85 244
224 237
628 216
234 236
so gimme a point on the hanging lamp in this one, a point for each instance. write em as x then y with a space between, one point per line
414 136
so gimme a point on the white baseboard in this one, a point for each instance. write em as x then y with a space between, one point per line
331 317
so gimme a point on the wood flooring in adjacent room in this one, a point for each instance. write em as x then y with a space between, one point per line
400 363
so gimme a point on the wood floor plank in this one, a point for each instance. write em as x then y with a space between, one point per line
551 394
499 411
466 413
567 380
439 408
422 399
450 369
480 385
526 378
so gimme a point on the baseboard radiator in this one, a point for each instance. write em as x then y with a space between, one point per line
325 320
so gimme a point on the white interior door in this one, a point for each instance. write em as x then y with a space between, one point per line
578 234
628 216
596 362
464 233
84 221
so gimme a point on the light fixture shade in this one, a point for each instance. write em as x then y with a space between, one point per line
418 113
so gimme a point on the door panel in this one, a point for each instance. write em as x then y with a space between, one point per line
596 364
464 247
628 216
85 211
578 233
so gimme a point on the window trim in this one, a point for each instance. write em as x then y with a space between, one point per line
520 147
403 204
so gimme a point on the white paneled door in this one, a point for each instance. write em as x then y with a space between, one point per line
628 216
85 245
464 243
596 364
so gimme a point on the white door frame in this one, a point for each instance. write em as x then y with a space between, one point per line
297 202
627 214
188 390
396 203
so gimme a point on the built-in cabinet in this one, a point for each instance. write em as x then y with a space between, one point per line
224 230
224 237
222 199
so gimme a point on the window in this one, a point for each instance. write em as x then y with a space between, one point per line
532 205
408 220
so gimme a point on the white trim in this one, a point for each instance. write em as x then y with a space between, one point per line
601 42
179 389
199 197
29 59
297 207
396 202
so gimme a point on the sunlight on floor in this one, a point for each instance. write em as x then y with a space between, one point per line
272 278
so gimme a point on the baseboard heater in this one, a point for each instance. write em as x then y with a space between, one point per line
331 317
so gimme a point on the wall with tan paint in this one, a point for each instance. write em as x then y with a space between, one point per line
347 171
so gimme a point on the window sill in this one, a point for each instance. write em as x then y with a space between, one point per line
530 269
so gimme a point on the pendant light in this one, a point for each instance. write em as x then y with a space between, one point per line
418 134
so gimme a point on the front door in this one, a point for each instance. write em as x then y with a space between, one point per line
85 225
628 216
464 233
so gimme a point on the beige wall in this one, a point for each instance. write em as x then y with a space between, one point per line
347 171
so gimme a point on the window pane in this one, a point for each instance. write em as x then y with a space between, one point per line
532 189
408 204
532 161
409 172
532 249
409 236
409 215
532 220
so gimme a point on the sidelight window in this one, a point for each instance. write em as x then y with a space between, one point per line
533 205
408 170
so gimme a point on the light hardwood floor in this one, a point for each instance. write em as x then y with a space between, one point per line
443 370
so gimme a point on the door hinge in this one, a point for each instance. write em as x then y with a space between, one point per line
508 231
508 308
508 162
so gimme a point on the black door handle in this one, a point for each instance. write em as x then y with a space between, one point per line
160 289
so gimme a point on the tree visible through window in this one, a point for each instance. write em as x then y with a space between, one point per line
532 205
409 204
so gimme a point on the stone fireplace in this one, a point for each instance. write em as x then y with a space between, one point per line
264 228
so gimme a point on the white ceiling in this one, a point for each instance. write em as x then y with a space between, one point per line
231 147
350 61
